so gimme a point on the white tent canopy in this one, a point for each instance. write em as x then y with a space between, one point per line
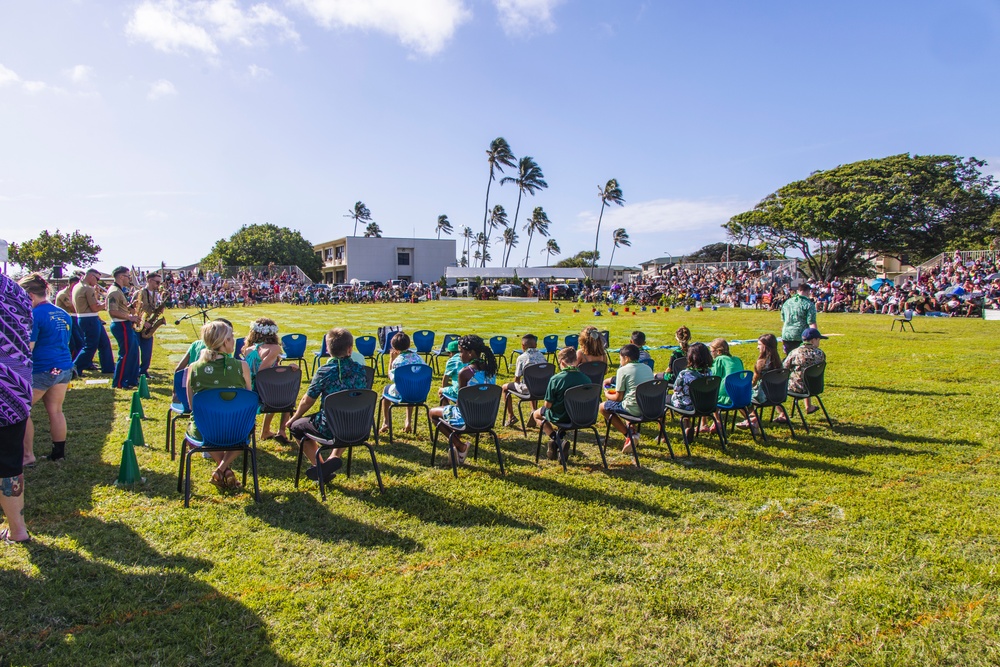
498 272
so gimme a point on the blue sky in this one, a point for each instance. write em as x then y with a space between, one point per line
159 126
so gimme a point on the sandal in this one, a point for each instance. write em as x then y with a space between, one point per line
231 481
282 440
511 423
218 481
812 410
5 538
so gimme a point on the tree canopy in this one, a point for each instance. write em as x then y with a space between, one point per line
581 260
716 252
899 205
256 245
55 249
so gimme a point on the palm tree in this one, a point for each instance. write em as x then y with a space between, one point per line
444 225
498 218
551 248
509 241
467 236
360 212
538 222
529 179
620 237
611 194
499 156
465 259
373 230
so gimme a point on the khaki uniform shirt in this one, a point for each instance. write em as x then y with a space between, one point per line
64 300
81 300
117 301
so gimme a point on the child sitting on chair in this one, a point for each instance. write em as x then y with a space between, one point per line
528 357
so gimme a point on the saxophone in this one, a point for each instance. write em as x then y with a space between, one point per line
153 320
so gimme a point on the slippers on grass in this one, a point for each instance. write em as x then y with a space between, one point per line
218 481
329 469
282 440
812 410
5 538
231 481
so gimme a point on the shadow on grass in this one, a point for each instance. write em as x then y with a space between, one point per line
431 508
901 392
303 512
81 610
554 487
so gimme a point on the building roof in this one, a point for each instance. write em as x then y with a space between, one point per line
662 260
531 273
404 239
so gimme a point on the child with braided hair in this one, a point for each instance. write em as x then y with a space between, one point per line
262 349
481 369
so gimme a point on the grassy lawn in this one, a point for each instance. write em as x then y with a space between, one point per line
875 543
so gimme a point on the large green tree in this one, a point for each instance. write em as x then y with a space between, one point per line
914 205
529 179
257 245
373 231
580 260
736 252
499 156
54 249
609 194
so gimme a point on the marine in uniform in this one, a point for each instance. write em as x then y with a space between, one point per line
122 321
88 313
147 302
64 300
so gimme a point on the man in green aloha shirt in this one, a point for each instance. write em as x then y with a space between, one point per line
797 313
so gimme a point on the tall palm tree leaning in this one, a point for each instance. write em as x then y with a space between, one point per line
509 241
611 194
499 156
537 223
529 179
551 248
444 225
498 219
373 230
620 237
360 212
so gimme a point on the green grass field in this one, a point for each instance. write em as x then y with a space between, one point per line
877 543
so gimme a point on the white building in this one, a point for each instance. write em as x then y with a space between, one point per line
385 258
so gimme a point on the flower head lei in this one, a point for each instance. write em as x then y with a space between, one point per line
264 329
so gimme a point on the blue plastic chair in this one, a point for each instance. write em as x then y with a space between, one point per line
572 340
238 352
443 350
227 420
498 345
384 352
739 388
294 347
413 382
178 410
365 345
551 343
423 341
648 362
321 353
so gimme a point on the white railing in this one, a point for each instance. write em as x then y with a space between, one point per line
965 255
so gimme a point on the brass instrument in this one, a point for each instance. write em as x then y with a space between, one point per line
149 322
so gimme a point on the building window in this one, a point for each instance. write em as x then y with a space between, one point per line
402 259
340 252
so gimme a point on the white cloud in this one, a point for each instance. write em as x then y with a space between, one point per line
8 76
257 72
183 26
167 27
159 89
524 17
80 74
422 25
686 224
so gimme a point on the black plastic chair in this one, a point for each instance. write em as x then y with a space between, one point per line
536 379
369 376
479 405
677 365
594 370
582 407
179 410
350 416
813 376
443 350
652 398
278 389
227 420
705 399
774 384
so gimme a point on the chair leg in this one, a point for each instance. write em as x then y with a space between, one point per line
180 470
322 483
350 453
520 414
496 441
378 473
298 463
790 428
720 430
166 430
187 479
453 455
434 441
391 406
576 432
825 413
760 423
538 447
600 446
475 452
663 434
427 413
802 413
256 481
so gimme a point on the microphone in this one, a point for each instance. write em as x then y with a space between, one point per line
177 321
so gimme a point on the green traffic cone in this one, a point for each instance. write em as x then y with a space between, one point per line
128 471
135 432
136 410
143 387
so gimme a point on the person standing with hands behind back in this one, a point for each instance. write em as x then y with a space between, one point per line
797 313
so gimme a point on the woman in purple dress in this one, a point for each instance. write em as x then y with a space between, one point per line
15 404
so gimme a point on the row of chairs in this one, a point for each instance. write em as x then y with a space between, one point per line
224 414
294 349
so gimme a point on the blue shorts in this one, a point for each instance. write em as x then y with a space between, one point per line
615 406
47 380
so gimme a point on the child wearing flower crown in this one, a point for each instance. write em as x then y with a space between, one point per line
262 349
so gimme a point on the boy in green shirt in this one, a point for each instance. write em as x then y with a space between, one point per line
554 410
621 397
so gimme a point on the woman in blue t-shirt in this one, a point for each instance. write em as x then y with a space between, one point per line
53 366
